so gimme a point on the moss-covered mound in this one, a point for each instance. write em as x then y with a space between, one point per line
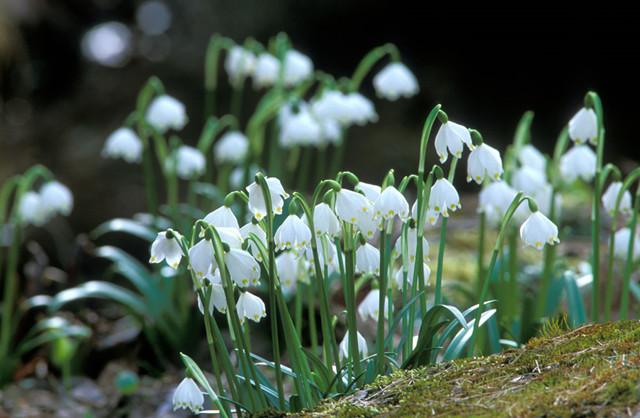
590 371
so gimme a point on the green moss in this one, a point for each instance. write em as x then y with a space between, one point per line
590 371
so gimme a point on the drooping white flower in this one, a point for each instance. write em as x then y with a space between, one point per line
369 307
297 67
189 162
332 105
352 206
621 244
344 346
494 200
201 258
265 73
123 143
370 191
288 268
166 112
583 126
292 234
331 133
239 63
360 110
255 229
611 195
528 180
412 241
444 197
394 81
257 204
164 248
231 148
300 128
327 254
368 259
250 307
188 396
543 199
368 226
56 198
450 139
391 203
325 221
32 210
243 268
530 156
399 276
484 162
223 217
579 161
217 300
538 230
230 236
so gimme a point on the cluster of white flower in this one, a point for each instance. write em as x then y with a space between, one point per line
36 208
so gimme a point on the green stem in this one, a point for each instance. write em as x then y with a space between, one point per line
595 210
443 239
369 60
628 266
350 298
381 305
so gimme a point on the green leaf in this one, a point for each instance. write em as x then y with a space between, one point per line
436 318
128 267
397 318
460 340
196 372
575 305
49 330
101 290
127 226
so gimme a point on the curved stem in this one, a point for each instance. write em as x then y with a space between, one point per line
369 60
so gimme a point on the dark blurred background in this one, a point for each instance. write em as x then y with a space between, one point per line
61 98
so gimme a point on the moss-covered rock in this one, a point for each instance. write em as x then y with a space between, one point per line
590 371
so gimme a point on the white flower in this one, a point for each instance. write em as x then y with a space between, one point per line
325 221
395 80
360 110
231 148
189 162
352 206
495 199
391 203
257 204
327 254
230 236
412 242
331 132
369 307
444 197
265 73
217 300
32 209
621 244
399 277
368 226
255 229
529 156
370 191
538 230
239 63
188 396
164 248
583 126
611 195
528 180
201 258
484 161
452 137
579 161
165 112
368 259
300 128
297 68
56 198
223 217
292 234
243 268
332 105
543 199
288 267
250 307
123 143
344 346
